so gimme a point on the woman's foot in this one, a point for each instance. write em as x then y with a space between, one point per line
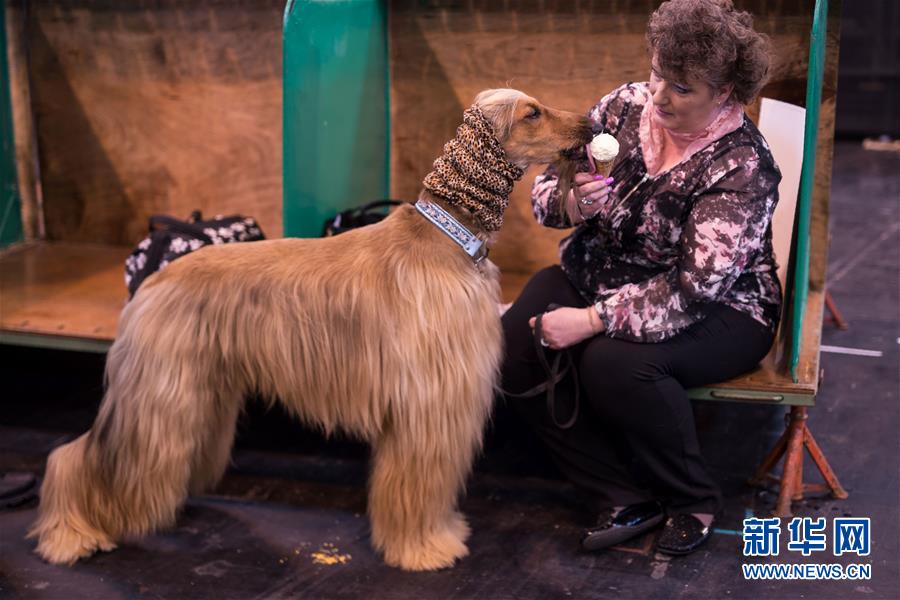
683 534
614 527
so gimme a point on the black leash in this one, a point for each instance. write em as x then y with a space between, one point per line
554 375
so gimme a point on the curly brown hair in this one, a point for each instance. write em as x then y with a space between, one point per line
712 41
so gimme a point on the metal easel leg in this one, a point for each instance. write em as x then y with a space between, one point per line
824 468
795 438
792 476
836 317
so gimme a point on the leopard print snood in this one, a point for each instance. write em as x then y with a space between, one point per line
474 173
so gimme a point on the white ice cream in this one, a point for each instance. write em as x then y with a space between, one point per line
604 147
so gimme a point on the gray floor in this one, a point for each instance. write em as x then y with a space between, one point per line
287 498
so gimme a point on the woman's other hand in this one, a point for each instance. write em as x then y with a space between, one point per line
566 326
591 193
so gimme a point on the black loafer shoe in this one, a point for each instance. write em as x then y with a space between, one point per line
631 521
682 535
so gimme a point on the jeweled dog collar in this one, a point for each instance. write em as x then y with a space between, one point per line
455 230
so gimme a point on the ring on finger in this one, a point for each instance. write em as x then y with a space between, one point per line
587 201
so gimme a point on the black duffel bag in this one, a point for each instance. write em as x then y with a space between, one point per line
172 238
360 216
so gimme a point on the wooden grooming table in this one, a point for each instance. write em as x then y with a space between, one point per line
61 295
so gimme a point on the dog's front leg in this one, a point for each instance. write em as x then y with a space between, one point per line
420 464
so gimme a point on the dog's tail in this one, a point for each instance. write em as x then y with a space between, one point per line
164 428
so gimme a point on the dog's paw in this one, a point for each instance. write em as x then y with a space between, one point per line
439 550
65 546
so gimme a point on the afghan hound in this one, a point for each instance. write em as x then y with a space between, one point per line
389 332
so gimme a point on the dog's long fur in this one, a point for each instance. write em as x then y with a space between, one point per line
389 332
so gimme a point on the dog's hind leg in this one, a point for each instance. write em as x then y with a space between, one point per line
214 443
163 427
420 464
67 527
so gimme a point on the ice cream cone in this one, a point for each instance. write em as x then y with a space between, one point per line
603 167
602 152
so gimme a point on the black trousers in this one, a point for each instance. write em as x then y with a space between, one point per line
634 438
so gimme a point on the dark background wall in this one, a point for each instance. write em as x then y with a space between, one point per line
869 71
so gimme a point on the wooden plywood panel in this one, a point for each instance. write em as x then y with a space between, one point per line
158 107
568 54
62 289
443 55
818 247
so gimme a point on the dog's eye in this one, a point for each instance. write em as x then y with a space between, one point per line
534 114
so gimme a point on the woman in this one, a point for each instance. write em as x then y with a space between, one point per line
668 281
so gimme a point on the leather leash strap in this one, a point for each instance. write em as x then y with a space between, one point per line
554 375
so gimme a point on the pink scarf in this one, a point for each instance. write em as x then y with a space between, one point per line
728 117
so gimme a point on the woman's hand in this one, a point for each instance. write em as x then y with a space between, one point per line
590 193
566 327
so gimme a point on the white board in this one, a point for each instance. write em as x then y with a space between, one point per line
782 125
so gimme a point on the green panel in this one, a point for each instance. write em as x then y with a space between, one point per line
807 177
56 342
336 109
751 397
10 205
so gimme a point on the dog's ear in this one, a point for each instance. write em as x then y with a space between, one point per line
565 177
499 107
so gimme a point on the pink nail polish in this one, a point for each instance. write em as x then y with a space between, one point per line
609 180
598 177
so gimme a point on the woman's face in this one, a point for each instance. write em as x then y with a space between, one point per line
684 106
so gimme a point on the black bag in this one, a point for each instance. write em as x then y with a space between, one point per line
171 238
357 217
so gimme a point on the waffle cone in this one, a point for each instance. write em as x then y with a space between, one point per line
604 167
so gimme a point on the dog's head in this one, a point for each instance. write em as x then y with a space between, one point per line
532 133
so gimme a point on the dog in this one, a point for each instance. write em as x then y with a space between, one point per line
389 332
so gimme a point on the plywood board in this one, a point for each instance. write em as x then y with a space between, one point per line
62 289
568 54
152 108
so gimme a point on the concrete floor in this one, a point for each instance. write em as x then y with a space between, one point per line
291 496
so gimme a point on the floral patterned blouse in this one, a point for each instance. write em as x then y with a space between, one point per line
665 247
